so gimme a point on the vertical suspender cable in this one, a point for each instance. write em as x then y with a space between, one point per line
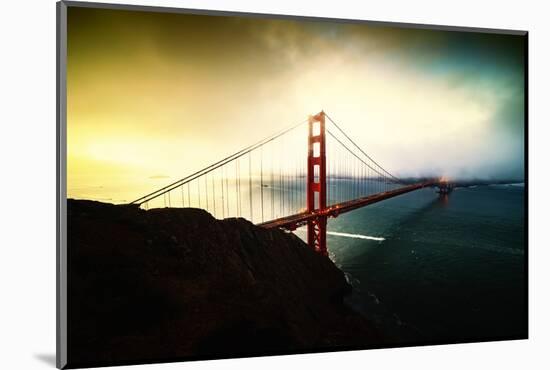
206 187
199 191
281 195
214 192
296 187
223 195
262 180
238 181
250 185
271 184
227 191
236 190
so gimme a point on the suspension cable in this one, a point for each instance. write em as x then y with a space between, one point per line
215 165
358 147
351 152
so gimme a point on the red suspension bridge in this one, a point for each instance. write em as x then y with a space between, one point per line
268 184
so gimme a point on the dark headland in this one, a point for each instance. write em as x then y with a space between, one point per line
178 283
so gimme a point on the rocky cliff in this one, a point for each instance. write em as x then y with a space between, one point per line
177 283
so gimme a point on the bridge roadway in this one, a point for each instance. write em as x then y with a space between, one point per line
300 219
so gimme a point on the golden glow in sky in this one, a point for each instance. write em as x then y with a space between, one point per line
153 97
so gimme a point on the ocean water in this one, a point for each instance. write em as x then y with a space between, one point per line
426 268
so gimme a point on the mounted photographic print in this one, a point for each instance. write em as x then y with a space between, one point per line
235 185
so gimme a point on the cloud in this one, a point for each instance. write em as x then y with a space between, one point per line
171 93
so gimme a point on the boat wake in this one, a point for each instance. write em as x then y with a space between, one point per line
356 236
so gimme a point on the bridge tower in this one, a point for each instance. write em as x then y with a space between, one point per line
316 183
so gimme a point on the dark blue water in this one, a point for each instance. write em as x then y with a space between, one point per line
449 269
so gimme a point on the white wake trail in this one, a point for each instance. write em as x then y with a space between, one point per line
356 236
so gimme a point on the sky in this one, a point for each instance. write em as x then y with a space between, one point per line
152 97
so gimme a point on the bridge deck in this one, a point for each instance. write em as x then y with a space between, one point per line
293 221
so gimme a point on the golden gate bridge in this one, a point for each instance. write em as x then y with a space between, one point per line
271 186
